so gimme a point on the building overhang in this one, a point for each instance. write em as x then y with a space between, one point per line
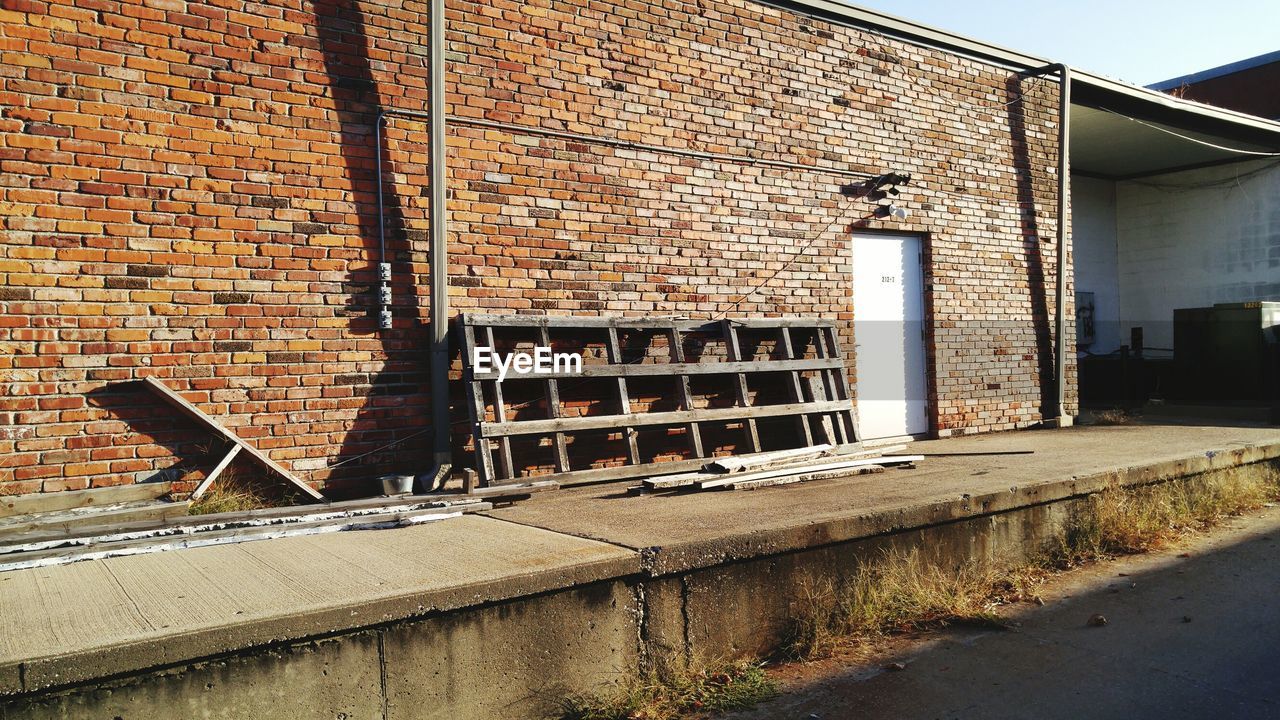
1108 137
1121 131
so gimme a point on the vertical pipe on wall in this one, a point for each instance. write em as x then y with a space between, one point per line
1059 414
439 315
1064 194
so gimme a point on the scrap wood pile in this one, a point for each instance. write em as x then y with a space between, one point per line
39 539
784 467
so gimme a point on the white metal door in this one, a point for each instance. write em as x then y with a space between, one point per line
888 325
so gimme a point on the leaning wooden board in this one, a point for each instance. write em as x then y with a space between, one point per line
806 352
195 413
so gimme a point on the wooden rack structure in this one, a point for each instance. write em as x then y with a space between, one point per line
813 379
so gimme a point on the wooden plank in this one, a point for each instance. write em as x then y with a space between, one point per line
852 433
686 395
83 520
740 463
628 370
758 463
835 422
95 497
793 387
624 472
199 416
734 352
500 414
599 321
806 477
834 465
215 472
675 417
186 524
217 536
482 447
554 411
614 350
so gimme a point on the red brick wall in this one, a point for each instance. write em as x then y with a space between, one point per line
186 191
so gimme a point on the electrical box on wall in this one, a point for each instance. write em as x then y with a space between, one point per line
1085 329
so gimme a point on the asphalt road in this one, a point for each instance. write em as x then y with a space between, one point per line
1186 637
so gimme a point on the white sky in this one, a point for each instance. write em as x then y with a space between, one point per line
1141 41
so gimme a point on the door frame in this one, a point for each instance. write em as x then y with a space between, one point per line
927 328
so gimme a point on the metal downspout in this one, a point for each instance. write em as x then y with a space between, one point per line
1060 417
439 258
438 253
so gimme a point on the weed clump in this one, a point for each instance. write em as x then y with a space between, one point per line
674 694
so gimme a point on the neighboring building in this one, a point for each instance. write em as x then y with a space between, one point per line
187 191
1248 86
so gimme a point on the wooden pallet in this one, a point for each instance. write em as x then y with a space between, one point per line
815 385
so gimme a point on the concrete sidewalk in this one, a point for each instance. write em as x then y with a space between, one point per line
619 578
679 532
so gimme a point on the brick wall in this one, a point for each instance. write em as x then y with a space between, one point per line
186 191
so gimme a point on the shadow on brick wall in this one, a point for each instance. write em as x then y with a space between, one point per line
390 431
1032 243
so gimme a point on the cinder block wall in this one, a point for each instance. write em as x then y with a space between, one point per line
1193 239
186 191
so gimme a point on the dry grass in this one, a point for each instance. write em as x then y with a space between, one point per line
1122 521
898 592
678 694
901 591
234 492
1114 416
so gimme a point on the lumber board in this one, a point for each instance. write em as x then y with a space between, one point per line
627 472
500 414
98 551
195 413
642 323
733 350
692 431
614 350
674 417
800 469
68 522
192 524
71 499
476 408
554 410
739 463
793 386
660 369
806 477
217 470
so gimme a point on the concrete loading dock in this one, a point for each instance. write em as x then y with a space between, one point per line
439 619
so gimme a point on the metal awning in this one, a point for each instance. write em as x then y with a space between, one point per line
1118 147
1103 143
1121 131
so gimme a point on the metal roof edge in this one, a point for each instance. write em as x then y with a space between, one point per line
1168 102
911 30
1217 72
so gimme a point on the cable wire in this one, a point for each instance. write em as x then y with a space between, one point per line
1188 138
